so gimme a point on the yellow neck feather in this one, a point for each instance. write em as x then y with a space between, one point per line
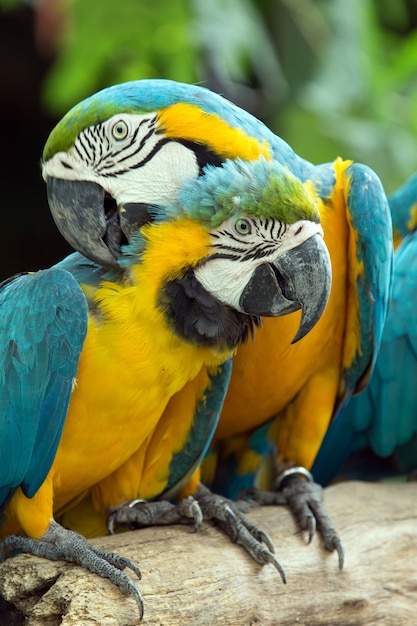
187 121
171 247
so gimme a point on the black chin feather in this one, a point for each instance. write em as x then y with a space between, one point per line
198 317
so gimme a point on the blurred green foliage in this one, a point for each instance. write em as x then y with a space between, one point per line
6 5
360 99
331 77
105 42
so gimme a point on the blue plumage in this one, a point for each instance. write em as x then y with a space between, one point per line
383 419
403 204
44 323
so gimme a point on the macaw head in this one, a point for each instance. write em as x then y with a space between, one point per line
151 152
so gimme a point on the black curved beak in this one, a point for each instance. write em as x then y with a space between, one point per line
298 279
90 219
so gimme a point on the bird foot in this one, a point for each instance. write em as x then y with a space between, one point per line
296 488
58 544
205 505
142 514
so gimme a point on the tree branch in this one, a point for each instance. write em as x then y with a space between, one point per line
202 579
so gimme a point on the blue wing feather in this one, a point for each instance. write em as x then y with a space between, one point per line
384 416
393 387
87 272
374 250
206 418
44 323
403 204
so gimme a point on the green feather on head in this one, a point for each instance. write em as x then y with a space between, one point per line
65 133
260 189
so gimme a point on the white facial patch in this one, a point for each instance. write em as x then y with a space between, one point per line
235 255
128 158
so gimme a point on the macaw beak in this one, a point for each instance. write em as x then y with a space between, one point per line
90 219
299 279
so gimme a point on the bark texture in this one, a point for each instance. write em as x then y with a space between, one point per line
203 579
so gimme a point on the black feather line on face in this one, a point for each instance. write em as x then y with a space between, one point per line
204 155
199 318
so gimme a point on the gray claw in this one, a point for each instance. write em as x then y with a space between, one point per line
59 544
239 528
311 522
297 489
204 505
141 513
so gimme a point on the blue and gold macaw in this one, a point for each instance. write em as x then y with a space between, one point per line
116 361
376 433
283 396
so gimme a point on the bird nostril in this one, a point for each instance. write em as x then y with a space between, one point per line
298 231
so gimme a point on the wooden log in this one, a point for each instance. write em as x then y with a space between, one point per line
203 579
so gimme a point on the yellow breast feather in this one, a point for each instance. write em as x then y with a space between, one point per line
131 365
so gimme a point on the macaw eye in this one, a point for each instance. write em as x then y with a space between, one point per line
243 226
120 130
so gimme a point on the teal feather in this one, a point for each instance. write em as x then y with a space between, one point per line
403 204
384 418
44 323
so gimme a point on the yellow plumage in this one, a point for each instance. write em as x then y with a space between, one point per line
187 121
